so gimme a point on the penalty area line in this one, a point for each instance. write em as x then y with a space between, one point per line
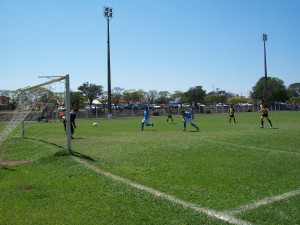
253 147
215 214
265 201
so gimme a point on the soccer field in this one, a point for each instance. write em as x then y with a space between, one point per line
225 174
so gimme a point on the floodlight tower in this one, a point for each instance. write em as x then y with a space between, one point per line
265 38
108 13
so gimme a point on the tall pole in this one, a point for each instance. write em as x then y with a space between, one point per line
68 115
108 13
265 38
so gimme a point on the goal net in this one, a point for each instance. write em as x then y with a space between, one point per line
35 123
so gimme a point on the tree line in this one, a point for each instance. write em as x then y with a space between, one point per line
277 92
88 92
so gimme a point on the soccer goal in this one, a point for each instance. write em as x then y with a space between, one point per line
35 117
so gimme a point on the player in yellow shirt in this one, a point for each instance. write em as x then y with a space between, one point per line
264 114
231 114
169 115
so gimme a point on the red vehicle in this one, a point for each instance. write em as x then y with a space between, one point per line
164 106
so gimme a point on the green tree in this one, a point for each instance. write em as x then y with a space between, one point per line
127 96
235 100
277 92
133 96
211 98
142 95
137 96
222 96
163 97
151 95
91 91
294 89
176 96
117 95
195 94
76 99
184 99
295 100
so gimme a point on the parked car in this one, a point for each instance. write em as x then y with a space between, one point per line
221 105
91 107
132 106
115 106
173 104
200 105
163 106
154 106
246 104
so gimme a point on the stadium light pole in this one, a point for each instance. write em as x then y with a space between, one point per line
265 38
108 13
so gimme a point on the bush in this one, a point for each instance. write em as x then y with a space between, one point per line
208 112
249 110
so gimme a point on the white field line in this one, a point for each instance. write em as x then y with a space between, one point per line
262 202
253 147
208 212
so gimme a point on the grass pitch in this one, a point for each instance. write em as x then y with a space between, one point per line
225 174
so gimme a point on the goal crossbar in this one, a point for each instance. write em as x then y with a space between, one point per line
20 117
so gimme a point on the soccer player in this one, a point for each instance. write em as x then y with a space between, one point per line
62 114
73 115
231 113
146 119
264 114
169 115
187 117
192 112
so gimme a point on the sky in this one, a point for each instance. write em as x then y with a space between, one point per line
163 45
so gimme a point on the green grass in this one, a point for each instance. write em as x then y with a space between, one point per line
221 168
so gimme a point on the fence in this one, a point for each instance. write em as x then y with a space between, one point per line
119 113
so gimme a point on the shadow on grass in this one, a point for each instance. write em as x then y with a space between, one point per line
47 142
6 168
80 155
63 151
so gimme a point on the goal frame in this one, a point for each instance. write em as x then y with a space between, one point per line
67 105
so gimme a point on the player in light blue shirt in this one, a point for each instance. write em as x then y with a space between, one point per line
188 117
146 119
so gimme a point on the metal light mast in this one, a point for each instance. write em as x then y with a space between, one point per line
265 38
108 13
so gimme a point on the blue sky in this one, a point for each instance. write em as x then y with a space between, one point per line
163 45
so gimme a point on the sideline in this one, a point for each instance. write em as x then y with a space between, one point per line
219 215
262 202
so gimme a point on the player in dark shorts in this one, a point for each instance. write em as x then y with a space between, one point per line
169 115
264 114
231 114
73 116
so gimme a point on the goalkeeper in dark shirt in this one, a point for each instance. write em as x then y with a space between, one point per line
73 116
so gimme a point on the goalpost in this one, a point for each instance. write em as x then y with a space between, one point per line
36 104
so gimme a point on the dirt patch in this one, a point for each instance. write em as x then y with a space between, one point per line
11 163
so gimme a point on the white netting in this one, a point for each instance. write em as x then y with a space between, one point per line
34 109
